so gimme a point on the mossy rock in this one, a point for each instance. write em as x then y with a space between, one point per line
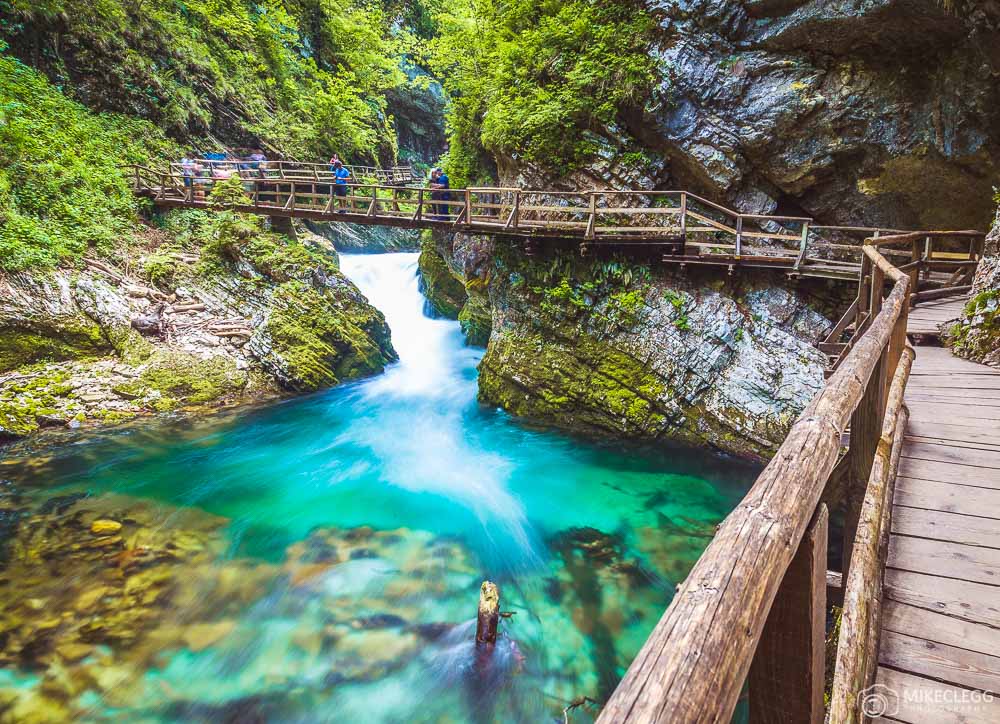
183 378
445 292
324 339
20 347
582 384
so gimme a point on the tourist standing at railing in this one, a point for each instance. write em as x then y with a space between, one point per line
340 176
189 167
334 159
439 192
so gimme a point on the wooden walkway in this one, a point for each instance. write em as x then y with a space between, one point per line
675 227
940 647
931 317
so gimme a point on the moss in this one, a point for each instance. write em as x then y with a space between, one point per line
192 380
24 401
131 346
19 347
322 340
977 334
578 383
476 318
445 293
160 269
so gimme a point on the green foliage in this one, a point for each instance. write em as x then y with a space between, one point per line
62 188
531 80
304 76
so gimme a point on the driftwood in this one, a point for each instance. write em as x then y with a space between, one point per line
100 266
859 627
489 613
192 307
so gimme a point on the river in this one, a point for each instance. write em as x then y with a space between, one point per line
319 559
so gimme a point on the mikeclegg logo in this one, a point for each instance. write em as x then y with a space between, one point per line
878 700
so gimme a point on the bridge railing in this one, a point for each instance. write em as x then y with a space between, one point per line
300 171
938 264
753 608
696 230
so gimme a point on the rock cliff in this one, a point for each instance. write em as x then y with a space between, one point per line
977 335
876 113
180 325
613 349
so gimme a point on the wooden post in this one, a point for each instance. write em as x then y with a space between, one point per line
418 214
866 428
489 613
684 211
468 207
787 673
592 217
739 235
803 244
517 208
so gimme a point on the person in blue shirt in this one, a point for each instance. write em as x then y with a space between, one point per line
439 185
340 176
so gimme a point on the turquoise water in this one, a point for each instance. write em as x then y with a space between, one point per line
320 559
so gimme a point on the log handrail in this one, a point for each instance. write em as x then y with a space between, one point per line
693 666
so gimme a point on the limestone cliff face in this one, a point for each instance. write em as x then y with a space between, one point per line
618 350
881 113
180 330
977 335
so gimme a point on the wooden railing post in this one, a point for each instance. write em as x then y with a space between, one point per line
684 211
803 244
739 236
419 213
468 207
591 216
517 208
787 673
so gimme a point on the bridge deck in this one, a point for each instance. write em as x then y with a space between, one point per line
940 646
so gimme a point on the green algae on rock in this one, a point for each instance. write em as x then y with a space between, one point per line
444 291
226 312
976 336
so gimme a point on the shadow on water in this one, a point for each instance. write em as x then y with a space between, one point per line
318 559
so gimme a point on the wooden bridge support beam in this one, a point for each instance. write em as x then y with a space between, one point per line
787 674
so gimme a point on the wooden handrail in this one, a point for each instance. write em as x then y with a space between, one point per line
634 216
694 663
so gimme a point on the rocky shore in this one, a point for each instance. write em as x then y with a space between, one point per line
208 311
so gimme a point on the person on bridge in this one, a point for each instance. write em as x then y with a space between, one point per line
340 176
439 192
333 159
189 167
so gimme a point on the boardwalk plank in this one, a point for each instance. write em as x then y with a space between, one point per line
939 472
943 662
948 497
943 451
948 454
948 560
946 411
974 602
954 527
940 628
930 702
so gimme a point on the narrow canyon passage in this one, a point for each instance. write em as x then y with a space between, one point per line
320 559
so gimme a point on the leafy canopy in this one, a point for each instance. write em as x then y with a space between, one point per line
529 79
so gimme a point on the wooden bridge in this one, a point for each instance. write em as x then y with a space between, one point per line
901 448
674 227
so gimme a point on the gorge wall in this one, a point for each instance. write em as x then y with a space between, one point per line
611 349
